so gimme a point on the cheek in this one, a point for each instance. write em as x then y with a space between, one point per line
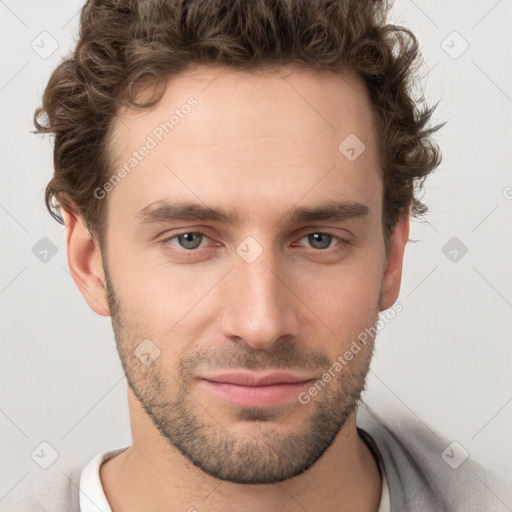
170 301
344 297
346 303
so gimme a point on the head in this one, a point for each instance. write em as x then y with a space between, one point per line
236 182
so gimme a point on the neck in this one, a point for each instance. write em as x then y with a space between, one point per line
153 475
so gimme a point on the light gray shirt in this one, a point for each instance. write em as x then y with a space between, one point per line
424 473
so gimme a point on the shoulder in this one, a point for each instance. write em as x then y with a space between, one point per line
427 472
54 491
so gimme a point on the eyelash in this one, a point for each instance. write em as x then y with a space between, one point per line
191 252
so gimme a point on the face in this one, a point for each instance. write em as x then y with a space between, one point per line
279 266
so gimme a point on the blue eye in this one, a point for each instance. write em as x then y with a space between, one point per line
322 239
188 241
321 242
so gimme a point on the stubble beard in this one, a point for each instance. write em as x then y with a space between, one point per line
264 454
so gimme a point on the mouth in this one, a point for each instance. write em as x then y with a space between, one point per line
256 389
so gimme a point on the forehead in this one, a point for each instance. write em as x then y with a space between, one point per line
228 136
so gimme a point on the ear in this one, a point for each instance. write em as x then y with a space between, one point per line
85 263
394 261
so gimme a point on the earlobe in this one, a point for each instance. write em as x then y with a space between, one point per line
85 263
393 272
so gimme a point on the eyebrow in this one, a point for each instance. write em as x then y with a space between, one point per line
165 211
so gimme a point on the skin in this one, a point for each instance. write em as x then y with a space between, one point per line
260 144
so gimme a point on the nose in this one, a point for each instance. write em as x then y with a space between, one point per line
261 305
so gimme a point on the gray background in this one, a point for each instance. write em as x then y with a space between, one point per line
445 358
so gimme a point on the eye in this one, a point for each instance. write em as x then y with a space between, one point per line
321 241
187 241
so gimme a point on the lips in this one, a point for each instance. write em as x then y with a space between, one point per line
255 389
244 378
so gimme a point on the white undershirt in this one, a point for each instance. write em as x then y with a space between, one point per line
93 499
385 501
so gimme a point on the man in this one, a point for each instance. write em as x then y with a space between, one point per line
236 181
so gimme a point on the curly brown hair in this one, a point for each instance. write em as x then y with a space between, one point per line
127 46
